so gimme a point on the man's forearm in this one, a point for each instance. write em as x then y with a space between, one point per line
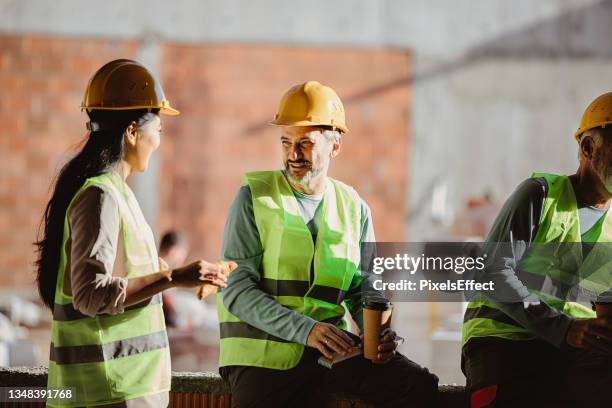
542 320
513 297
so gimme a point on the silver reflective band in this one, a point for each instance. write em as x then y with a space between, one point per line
95 353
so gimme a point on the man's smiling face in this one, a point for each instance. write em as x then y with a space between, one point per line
306 153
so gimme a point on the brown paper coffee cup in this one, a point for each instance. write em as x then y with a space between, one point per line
376 317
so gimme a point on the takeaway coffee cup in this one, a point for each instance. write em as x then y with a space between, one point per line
376 317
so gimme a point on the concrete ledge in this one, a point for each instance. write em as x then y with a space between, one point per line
23 376
194 382
453 396
204 383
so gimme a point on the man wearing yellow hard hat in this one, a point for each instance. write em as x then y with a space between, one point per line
536 341
297 236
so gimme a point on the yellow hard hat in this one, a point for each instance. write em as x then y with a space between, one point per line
597 114
124 84
311 104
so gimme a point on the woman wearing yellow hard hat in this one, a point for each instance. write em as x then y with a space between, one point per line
97 266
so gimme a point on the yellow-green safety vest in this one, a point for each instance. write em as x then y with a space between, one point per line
110 358
288 252
556 256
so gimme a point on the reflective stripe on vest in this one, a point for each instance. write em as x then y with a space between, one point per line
288 251
111 358
563 267
94 353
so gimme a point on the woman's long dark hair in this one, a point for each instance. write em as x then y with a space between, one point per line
102 150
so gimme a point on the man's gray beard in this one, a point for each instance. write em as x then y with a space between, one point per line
604 172
306 178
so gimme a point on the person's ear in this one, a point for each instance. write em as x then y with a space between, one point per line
587 146
131 135
336 147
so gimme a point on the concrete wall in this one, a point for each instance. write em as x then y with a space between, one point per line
503 103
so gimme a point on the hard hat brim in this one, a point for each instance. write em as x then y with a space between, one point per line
169 111
580 131
302 123
166 110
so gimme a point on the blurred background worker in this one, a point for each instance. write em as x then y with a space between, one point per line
173 249
98 269
530 343
295 234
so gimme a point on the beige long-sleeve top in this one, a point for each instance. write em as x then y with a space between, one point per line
97 277
95 224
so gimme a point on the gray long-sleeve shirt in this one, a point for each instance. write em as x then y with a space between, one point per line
243 297
514 230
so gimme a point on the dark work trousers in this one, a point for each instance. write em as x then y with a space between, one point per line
398 383
533 373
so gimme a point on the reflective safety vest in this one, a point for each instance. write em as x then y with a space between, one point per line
554 262
110 358
288 252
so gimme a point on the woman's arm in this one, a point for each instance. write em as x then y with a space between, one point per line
195 274
145 287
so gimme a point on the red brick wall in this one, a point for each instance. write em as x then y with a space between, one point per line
227 93
41 86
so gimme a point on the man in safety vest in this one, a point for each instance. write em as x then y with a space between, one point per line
535 340
297 236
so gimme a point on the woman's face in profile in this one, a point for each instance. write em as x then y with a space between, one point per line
147 141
